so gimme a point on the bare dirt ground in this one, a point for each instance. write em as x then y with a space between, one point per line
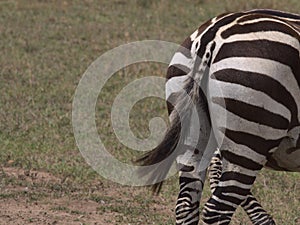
40 198
42 202
20 211
18 207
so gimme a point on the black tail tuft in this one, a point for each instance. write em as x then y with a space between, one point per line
164 150
172 144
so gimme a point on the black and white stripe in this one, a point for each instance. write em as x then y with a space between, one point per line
252 207
248 67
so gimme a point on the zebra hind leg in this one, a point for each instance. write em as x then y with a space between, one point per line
255 211
191 186
252 207
215 170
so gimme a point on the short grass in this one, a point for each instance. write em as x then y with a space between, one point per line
46 45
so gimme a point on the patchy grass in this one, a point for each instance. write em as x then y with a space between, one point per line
45 48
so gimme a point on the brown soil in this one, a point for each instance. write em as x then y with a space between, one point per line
18 207
36 203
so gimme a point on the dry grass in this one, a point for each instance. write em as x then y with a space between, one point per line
46 45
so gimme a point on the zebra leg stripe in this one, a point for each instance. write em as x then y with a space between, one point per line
215 171
252 207
191 186
255 211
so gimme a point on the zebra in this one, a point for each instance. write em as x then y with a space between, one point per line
253 58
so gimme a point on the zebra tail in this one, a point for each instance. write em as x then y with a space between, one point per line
164 150
172 144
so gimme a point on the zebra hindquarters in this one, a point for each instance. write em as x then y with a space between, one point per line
248 122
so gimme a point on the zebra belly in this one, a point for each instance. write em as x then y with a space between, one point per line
287 156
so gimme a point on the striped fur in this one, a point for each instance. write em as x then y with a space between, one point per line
252 207
242 71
